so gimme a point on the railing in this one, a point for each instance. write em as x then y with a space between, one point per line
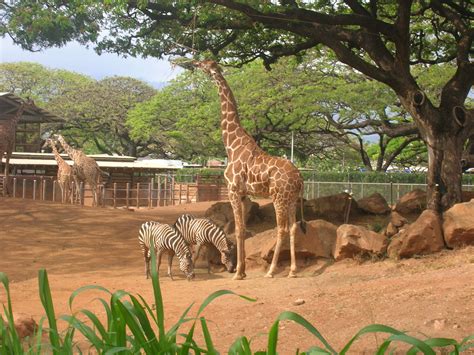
163 190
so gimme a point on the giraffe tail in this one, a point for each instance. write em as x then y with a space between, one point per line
303 221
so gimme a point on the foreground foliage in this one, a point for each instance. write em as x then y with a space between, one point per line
131 323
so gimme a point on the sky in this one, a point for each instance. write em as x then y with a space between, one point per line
77 58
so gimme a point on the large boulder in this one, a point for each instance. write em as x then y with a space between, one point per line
375 204
412 202
458 225
318 241
331 208
354 240
221 213
424 236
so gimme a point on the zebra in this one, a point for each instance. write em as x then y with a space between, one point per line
165 238
201 231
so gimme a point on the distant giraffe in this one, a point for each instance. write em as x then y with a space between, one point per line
85 167
67 180
7 139
251 171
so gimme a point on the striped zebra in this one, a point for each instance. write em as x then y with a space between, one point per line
202 231
165 238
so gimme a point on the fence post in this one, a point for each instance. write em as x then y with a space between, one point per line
138 195
158 201
43 189
165 197
362 190
318 188
391 193
180 187
23 193
34 189
115 195
14 187
103 195
187 193
149 193
127 194
54 190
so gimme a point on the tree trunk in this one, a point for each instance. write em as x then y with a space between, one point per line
444 172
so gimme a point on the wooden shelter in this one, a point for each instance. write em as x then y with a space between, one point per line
28 132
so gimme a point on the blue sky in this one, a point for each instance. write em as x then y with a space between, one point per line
77 58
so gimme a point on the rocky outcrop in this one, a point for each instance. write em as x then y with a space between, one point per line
355 240
221 214
412 202
318 241
374 204
331 208
424 236
458 225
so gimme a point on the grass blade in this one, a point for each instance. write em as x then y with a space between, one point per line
273 336
217 294
46 300
207 337
373 328
160 314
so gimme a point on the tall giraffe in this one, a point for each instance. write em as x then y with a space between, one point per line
85 168
66 177
7 140
251 171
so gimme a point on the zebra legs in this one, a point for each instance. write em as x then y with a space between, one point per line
170 260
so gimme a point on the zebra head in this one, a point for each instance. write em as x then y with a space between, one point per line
186 265
229 256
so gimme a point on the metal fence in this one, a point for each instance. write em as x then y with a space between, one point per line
163 190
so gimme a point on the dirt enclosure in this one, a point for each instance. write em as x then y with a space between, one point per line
430 296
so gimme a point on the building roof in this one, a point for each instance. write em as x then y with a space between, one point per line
105 161
9 102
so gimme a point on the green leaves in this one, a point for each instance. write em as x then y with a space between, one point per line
129 328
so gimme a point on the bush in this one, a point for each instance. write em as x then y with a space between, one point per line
129 328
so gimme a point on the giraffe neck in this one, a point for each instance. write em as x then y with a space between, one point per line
230 120
57 156
18 114
73 154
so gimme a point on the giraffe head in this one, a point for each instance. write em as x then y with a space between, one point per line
208 66
49 142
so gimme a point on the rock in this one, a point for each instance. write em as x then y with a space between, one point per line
331 208
412 202
25 325
439 324
458 225
395 244
267 212
298 302
375 204
318 241
397 219
221 214
353 240
391 230
422 237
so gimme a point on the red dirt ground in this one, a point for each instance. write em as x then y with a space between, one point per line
430 296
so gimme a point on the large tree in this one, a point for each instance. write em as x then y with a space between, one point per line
381 39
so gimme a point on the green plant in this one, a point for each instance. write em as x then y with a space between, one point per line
130 326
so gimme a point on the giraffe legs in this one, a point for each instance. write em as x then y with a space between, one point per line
237 207
286 217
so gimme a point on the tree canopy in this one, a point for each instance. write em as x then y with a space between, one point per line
381 39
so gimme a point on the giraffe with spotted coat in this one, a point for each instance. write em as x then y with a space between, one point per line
251 171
